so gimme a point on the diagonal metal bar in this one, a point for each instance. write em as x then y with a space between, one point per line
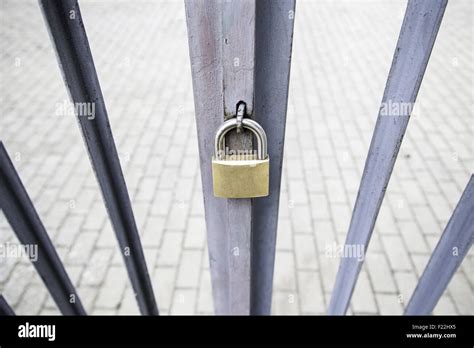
417 36
22 216
273 44
451 249
66 28
5 308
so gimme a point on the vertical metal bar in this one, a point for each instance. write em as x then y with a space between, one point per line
451 249
238 62
417 36
238 49
22 216
221 43
5 308
239 231
274 37
66 28
204 24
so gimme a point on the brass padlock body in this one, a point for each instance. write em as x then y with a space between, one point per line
248 178
241 175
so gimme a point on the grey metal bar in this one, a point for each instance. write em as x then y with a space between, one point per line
274 37
217 81
451 249
66 28
22 216
5 308
417 36
204 24
238 65
223 76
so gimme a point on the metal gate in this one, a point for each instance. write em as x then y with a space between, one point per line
240 53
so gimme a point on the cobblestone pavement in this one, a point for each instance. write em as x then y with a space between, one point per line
341 58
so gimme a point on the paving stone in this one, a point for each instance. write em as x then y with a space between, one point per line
400 207
184 302
284 235
396 253
82 248
49 311
329 267
104 311
285 303
177 218
205 302
188 273
426 220
319 207
385 223
197 205
362 303
284 277
445 306
112 290
164 279
380 273
97 267
171 249
162 202
336 192
32 301
420 261
312 298
153 232
151 257
69 230
389 303
146 189
17 283
413 237
305 251
406 282
95 218
462 294
297 192
107 237
301 218
129 304
88 295
342 217
196 233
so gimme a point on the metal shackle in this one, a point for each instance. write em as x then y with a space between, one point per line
247 123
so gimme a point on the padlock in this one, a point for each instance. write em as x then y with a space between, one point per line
240 176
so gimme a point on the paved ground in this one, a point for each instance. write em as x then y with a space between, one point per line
342 54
